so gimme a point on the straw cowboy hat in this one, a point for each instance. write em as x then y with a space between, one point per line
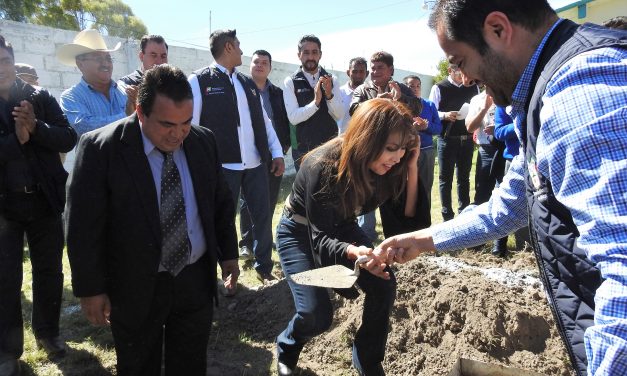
85 42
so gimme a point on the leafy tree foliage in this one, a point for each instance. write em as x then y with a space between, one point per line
111 17
442 70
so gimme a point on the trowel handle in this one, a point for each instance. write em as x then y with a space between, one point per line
360 260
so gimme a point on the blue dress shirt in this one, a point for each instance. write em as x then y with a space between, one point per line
88 109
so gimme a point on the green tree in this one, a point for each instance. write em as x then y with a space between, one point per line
110 17
113 17
17 10
442 70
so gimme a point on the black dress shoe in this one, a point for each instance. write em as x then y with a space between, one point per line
283 369
265 278
10 367
53 346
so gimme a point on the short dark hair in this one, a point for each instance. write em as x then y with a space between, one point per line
264 53
166 80
218 40
412 77
309 38
463 20
151 38
357 61
619 23
6 46
383 57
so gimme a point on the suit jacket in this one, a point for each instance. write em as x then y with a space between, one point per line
114 235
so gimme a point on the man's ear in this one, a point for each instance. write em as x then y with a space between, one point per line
497 30
140 113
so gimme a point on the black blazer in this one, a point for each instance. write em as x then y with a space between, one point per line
114 236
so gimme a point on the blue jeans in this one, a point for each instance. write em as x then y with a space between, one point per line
454 155
245 225
297 157
253 184
368 223
314 312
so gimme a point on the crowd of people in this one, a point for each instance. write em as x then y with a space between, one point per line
164 161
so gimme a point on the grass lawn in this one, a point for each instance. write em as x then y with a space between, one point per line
90 349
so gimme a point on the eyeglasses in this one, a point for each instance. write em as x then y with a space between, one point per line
99 60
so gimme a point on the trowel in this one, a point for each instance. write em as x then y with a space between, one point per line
334 276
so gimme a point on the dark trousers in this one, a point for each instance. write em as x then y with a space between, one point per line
454 155
314 312
253 184
245 224
29 214
486 180
179 323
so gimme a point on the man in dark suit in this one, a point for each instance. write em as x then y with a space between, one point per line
147 200
33 130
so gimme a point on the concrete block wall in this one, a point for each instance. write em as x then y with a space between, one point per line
36 45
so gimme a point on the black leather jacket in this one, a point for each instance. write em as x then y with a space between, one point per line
53 135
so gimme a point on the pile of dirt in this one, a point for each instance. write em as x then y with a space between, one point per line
474 306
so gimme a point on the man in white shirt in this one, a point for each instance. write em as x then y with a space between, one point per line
357 73
228 102
312 100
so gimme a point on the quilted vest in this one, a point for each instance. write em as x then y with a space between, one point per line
570 278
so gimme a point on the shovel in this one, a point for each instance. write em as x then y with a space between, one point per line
334 276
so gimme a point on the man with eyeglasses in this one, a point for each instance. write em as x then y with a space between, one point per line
96 100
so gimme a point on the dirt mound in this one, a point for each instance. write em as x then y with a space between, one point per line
473 306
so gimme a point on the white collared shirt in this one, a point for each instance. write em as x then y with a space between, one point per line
251 157
297 114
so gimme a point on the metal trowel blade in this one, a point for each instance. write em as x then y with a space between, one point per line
334 276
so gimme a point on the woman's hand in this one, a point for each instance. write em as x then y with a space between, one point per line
375 265
414 153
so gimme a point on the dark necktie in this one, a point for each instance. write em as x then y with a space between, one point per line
175 245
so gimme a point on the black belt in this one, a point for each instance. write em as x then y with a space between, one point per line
26 189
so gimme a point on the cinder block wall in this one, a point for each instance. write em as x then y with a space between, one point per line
36 45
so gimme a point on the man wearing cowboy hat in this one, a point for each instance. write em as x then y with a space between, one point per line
96 100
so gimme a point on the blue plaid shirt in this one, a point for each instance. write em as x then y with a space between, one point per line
87 109
582 149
